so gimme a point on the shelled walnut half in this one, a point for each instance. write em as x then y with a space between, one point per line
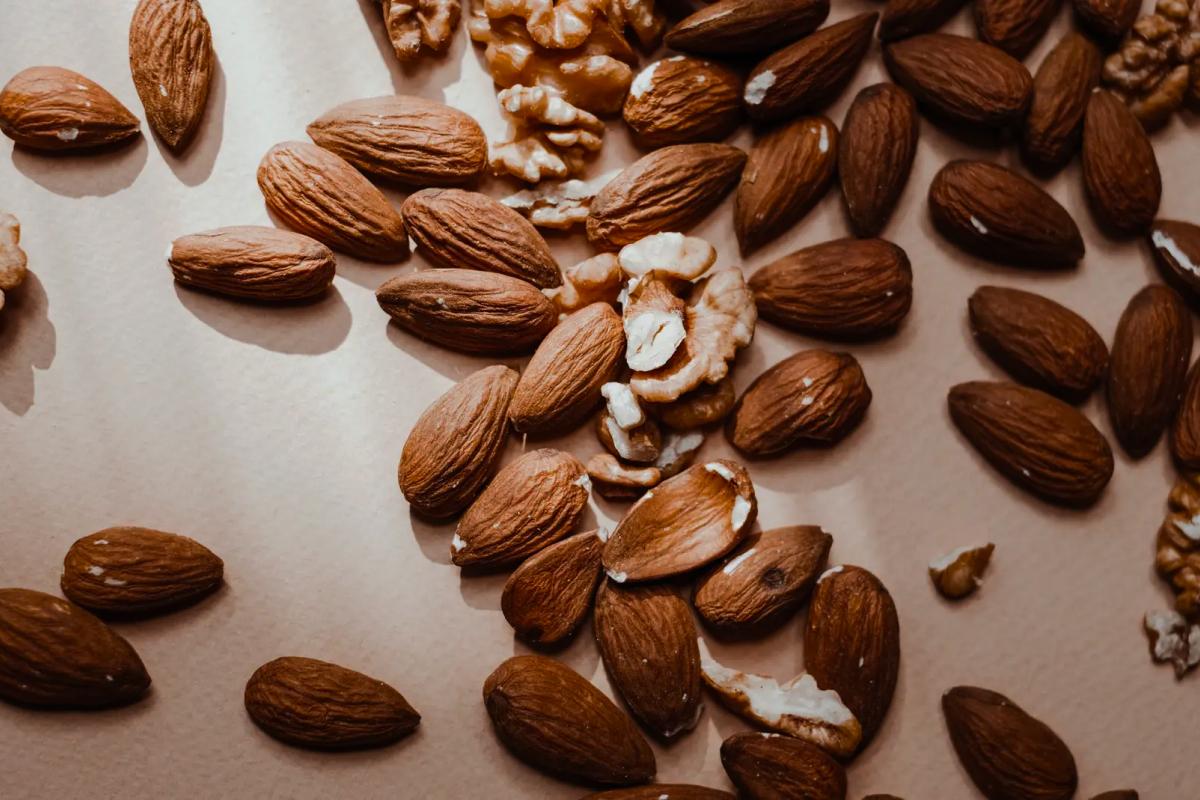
549 137
1178 556
12 257
416 24
1157 68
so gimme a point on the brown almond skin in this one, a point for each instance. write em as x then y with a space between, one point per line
875 155
1038 341
1119 794
1150 356
253 263
54 654
688 100
550 717
788 170
315 704
673 791
548 597
1037 441
1061 88
467 230
1008 754
171 58
1176 249
1014 26
1120 172
847 289
904 18
130 570
1185 430
746 27
670 189
811 73
814 398
999 215
769 766
1107 19
51 108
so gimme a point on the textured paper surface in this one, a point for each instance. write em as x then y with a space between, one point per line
272 435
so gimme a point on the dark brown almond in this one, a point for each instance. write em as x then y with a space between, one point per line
547 598
1014 26
681 99
1185 431
50 108
1120 172
1176 248
253 263
171 58
904 18
746 27
1037 441
1061 88
770 766
1107 19
1119 794
669 791
875 155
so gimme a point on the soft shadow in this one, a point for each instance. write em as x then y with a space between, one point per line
449 363
87 174
27 342
178 614
195 163
432 537
482 591
310 329
412 78
329 760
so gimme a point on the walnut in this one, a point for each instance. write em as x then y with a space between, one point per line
654 321
706 405
567 24
1178 557
641 444
430 23
616 481
549 136
593 280
12 257
1173 639
1157 68
558 205
678 452
641 16
622 405
960 572
684 257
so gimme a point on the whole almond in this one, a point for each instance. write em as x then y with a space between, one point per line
554 720
746 27
1014 26
844 289
809 74
770 766
1008 754
1107 19
254 263
459 229
814 398
1038 341
1120 172
547 598
875 157
320 195
647 639
788 171
1035 440
1150 356
138 570
996 214
682 99
51 108
670 189
1185 431
1061 89
904 18
456 444
171 58
408 140
671 791
481 313
53 653
311 703
1176 248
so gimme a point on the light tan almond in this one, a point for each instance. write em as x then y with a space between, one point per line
547 598
51 108
171 58
253 263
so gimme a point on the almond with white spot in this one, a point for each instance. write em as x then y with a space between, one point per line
1176 248
960 572
681 99
171 58
51 108
548 597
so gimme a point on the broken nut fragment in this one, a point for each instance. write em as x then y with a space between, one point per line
1178 555
673 254
960 572
641 445
707 405
616 481
1157 68
13 262
413 24
622 405
559 205
549 137
678 452
593 280
654 323
1173 639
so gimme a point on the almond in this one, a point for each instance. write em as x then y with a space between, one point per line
1150 356
171 58
1107 19
647 639
681 99
1014 26
546 599
1176 248
1061 89
254 263
904 18
670 189
320 195
561 384
1008 754
996 214
844 289
878 144
769 765
852 643
408 140
763 583
1038 341
683 523
1185 431
1035 440
138 570
788 171
50 108
746 27
455 446
455 228
809 74
814 398
554 720
1120 172
961 80
530 504
53 653
481 313
311 703
667 791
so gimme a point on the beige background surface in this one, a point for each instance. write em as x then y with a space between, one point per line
272 435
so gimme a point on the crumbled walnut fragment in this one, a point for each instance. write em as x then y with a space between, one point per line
1178 550
641 445
960 572
616 481
12 257
549 136
1173 639
1157 68
559 205
593 280
412 24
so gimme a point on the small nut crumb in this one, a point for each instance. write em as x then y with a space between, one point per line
622 405
558 205
960 572
12 258
678 452
1173 639
683 257
641 445
616 481
593 280
1177 558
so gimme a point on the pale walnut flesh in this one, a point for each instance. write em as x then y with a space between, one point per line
960 572
640 445
549 137
560 205
654 322
420 23
593 280
12 258
1157 68
1173 639
683 257
622 405
553 24
679 450
616 481
1177 556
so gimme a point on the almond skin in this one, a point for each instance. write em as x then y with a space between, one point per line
55 654
673 791
769 765
746 27
681 99
454 448
1120 172
1035 440
548 716
320 195
1039 342
50 108
996 214
809 74
1061 89
1185 431
1014 26
788 171
844 289
814 398
547 598
1150 356
171 58
311 703
1107 19
904 18
458 229
1176 248
253 263
875 156
1008 754
138 570
482 313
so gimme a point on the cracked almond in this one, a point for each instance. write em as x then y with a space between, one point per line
1176 248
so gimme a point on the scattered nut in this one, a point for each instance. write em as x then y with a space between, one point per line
412 24
593 280
1172 639
622 405
1157 68
654 323
678 452
549 137
706 405
641 445
12 257
616 481
960 572
1178 556
555 25
683 257
558 205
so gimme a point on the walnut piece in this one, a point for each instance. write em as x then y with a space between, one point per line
549 137
416 23
593 280
683 257
654 322
1157 68
567 24
641 445
1178 550
678 452
706 405
1173 639
616 481
12 258
559 205
622 405
960 572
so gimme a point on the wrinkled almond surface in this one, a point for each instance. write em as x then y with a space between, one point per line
548 597
254 263
746 27
683 99
1061 89
1120 171
51 108
875 154
775 766
171 58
